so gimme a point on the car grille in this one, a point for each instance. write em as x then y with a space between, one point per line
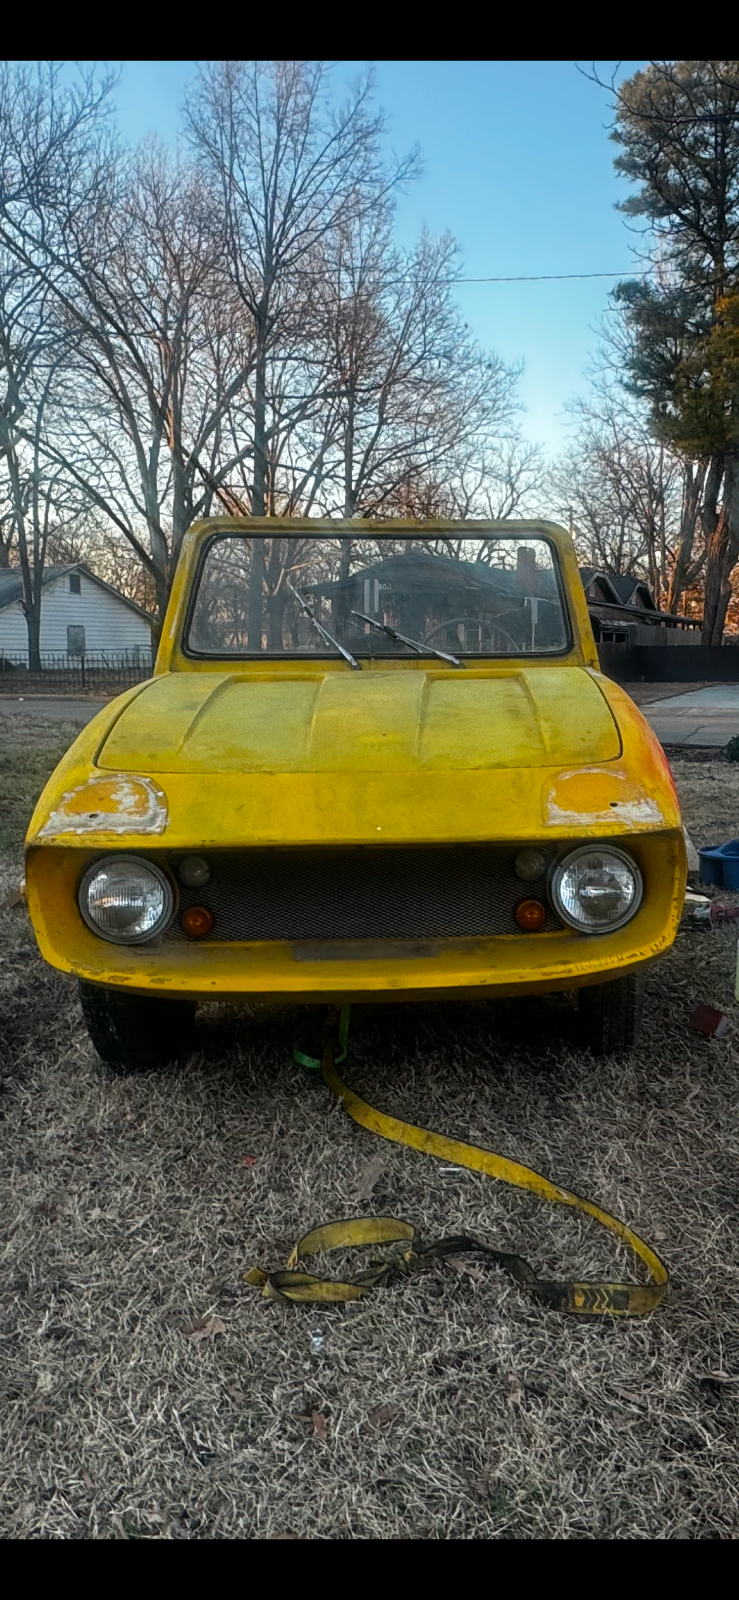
373 892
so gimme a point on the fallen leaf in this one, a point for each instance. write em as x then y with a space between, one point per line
248 1161
381 1416
44 1382
86 1479
516 1392
370 1175
286 1536
205 1328
319 1425
15 898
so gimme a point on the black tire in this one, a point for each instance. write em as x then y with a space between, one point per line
610 1015
135 1033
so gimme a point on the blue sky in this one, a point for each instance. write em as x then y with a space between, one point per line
519 166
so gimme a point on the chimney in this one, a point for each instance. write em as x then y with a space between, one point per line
526 569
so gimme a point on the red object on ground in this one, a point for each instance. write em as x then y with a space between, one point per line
720 913
706 1019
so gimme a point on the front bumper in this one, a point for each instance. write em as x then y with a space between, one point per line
389 970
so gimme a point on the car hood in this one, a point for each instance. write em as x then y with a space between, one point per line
376 721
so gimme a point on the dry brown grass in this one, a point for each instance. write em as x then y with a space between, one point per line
128 1214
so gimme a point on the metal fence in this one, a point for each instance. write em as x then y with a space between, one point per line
657 663
65 674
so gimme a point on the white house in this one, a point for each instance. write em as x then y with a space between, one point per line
81 615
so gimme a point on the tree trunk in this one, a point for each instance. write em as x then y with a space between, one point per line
259 488
722 556
350 497
277 595
182 503
162 582
33 625
693 483
31 569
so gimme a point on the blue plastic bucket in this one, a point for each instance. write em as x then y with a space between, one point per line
710 865
719 865
730 864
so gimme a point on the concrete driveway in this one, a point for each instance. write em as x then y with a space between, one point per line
707 717
53 708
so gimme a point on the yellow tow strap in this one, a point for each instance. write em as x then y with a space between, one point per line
595 1299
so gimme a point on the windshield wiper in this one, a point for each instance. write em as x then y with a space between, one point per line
327 637
402 638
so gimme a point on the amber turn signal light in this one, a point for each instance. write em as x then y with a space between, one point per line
530 915
197 922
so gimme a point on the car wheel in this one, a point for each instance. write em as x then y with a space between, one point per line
610 1015
134 1033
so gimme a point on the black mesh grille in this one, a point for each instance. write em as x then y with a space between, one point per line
368 892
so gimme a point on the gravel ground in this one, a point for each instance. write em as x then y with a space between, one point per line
148 1392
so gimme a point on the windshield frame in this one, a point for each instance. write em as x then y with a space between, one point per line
471 657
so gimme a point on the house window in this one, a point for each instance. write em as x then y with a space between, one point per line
75 640
75 586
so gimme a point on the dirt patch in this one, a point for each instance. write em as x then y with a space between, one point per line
450 1407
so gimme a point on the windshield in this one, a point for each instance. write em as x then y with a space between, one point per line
494 596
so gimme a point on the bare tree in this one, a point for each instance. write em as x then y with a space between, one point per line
240 330
507 478
411 392
287 170
36 496
417 420
634 503
161 356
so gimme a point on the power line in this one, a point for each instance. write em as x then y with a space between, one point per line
554 277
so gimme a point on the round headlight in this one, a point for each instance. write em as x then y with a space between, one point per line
125 899
596 890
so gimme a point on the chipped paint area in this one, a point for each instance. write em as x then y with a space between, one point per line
109 805
619 811
590 797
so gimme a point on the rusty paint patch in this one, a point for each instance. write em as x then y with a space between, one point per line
109 805
590 796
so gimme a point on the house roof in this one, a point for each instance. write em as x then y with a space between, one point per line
419 565
593 574
627 587
623 588
11 585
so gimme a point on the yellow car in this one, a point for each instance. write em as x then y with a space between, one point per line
376 761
